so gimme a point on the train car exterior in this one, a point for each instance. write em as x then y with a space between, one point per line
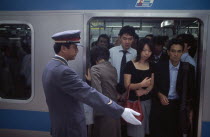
28 116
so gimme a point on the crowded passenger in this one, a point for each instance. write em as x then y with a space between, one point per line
189 51
135 42
123 53
158 53
149 36
103 40
104 80
189 43
139 76
174 83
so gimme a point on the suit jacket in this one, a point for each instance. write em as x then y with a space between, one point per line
163 57
104 79
64 92
185 79
184 86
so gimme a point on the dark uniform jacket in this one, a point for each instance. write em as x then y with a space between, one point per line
64 92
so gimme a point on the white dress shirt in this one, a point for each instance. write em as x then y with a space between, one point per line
116 57
173 78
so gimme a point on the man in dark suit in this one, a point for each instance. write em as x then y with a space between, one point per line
174 81
65 91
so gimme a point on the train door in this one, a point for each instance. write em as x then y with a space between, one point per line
168 28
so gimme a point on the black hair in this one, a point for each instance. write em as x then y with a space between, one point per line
190 41
149 35
57 46
158 40
104 36
127 30
97 53
140 47
175 41
187 38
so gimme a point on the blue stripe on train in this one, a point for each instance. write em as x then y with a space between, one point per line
39 121
25 120
205 129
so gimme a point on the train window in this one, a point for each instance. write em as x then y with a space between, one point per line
15 61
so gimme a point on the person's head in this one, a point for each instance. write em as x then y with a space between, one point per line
149 36
127 35
117 42
144 50
135 42
103 40
98 53
175 50
66 43
158 44
68 51
189 41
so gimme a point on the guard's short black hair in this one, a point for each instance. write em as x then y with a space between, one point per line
97 53
175 41
57 46
127 30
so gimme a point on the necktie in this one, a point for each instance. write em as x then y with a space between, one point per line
123 62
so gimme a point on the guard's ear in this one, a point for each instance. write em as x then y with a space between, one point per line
63 48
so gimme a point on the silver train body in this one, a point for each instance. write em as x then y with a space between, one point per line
29 117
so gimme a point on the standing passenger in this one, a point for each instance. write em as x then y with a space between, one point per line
123 53
189 46
104 79
139 75
189 42
158 53
65 91
174 82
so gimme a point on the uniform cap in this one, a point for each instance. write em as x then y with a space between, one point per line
69 36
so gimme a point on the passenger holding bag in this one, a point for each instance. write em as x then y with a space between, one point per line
135 105
139 80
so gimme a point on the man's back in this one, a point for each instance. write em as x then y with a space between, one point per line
66 113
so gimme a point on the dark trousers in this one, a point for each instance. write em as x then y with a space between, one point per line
164 120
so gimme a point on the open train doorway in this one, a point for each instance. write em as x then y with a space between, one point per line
167 28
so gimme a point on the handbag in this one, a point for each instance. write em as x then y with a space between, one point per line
135 105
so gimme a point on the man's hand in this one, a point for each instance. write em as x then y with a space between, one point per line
128 116
163 99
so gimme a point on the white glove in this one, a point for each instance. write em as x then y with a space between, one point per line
128 116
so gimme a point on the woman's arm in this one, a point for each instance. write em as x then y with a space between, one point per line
150 87
145 83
